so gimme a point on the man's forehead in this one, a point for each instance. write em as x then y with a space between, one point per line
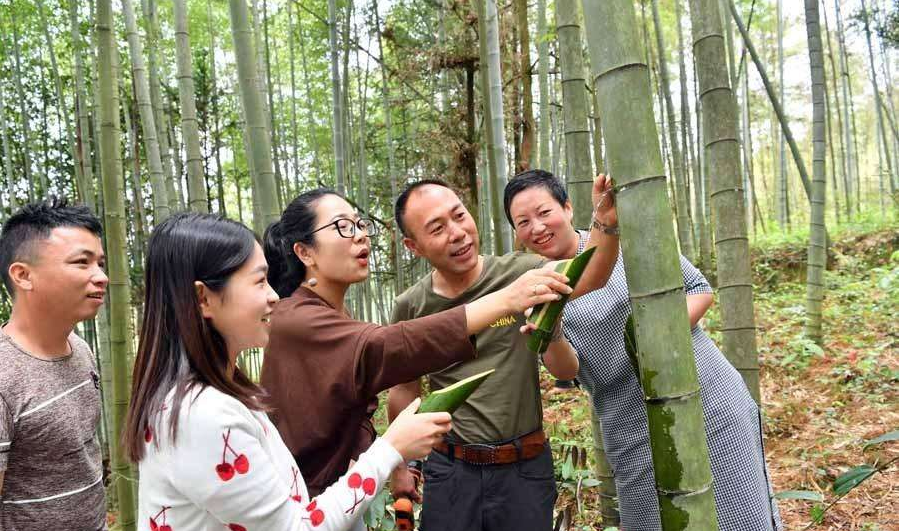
71 239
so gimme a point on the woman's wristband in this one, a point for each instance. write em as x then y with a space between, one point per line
612 230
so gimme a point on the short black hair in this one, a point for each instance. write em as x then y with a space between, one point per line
530 179
35 221
400 205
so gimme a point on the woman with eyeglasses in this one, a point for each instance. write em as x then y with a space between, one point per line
324 369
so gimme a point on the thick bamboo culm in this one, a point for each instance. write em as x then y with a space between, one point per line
651 258
723 158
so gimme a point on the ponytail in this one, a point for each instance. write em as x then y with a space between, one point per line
296 225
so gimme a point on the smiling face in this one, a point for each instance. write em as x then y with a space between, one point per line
542 224
334 258
441 230
240 311
64 275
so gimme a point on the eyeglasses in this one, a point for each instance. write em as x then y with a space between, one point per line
347 228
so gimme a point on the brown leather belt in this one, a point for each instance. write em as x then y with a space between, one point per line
524 448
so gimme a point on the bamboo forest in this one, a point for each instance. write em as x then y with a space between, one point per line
758 139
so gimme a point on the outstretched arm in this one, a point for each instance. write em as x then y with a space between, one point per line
560 359
604 235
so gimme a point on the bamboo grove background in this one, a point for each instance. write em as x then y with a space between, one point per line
786 118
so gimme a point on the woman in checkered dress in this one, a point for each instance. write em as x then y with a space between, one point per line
537 206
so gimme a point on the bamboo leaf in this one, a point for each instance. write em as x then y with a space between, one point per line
852 478
799 495
885 437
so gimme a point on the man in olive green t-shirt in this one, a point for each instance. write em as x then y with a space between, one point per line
495 471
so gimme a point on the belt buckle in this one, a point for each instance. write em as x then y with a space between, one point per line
478 447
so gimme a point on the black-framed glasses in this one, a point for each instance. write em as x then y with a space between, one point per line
347 228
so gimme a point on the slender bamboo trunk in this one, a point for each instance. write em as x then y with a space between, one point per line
344 94
851 169
273 130
893 175
555 141
7 158
747 156
337 112
880 174
683 218
197 197
527 152
294 151
495 114
774 101
280 162
45 150
669 377
733 258
160 119
687 143
832 170
85 159
136 220
783 215
579 174
23 109
816 253
310 118
842 125
61 100
397 246
105 363
545 121
704 216
145 110
217 133
120 334
260 153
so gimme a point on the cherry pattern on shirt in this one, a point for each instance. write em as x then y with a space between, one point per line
355 481
227 470
316 516
148 433
155 526
295 487
236 527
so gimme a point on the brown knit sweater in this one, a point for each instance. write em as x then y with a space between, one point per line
323 372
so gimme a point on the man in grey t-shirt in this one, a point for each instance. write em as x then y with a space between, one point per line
52 263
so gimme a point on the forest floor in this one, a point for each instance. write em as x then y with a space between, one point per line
819 405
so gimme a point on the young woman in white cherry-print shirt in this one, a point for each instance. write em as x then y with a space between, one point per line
208 457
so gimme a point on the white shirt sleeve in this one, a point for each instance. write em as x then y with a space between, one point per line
220 463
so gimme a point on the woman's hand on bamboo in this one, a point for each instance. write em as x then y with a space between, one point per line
414 434
535 287
603 199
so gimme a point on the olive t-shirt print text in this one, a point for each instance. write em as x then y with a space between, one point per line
508 403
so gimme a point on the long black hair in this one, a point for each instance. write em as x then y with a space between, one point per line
296 225
178 348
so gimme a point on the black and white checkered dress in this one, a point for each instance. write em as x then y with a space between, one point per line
594 324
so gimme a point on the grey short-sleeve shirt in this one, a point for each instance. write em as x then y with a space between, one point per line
49 450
